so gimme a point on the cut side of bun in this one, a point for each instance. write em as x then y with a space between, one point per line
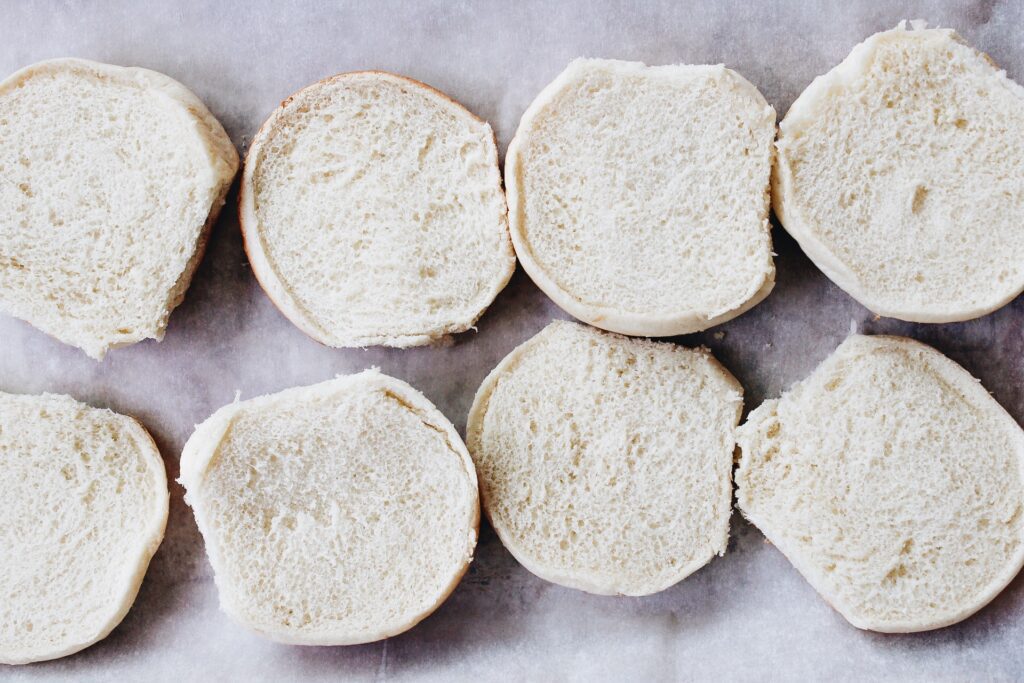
373 214
901 174
638 196
83 510
110 179
335 514
892 481
605 462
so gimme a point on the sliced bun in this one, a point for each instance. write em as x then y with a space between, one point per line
893 482
334 514
113 178
605 462
372 211
901 174
638 196
84 508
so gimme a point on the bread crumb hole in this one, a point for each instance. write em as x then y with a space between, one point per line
896 573
918 198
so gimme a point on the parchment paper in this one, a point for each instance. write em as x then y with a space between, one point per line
747 615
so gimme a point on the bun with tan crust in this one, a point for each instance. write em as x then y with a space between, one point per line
373 214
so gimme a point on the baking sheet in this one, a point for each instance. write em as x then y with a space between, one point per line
746 616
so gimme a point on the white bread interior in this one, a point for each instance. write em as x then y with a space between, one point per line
373 213
335 514
892 481
110 179
605 462
638 196
901 174
83 510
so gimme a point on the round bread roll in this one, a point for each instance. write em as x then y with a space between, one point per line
901 174
892 481
84 508
335 514
638 196
605 462
373 214
110 179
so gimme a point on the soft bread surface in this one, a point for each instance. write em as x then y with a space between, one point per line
893 482
340 513
605 462
901 174
83 509
638 196
110 178
373 212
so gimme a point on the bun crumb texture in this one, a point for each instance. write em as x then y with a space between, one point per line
335 514
83 510
605 462
893 481
638 196
373 214
901 174
113 177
